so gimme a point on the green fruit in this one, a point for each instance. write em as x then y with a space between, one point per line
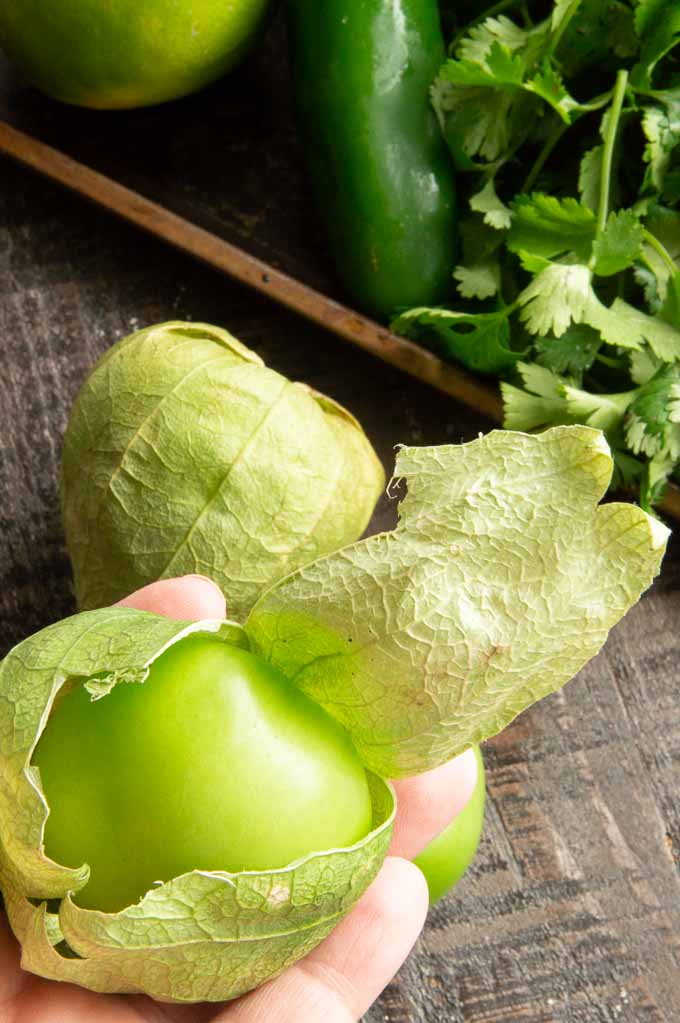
215 762
184 453
115 54
446 859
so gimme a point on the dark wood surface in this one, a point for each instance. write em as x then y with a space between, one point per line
572 911
242 266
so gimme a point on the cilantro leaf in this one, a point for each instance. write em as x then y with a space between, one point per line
562 294
643 365
660 251
458 124
664 224
628 471
481 122
480 341
476 46
499 53
496 213
540 402
489 97
572 353
556 297
657 472
561 13
657 24
533 264
550 227
662 337
650 430
549 86
479 280
661 126
603 411
670 310
590 176
650 286
619 245
499 66
656 153
548 399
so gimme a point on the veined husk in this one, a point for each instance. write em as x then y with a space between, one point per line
185 454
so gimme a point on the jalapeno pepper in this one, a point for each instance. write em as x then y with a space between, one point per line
362 70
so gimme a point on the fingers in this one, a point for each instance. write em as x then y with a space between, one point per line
43 1001
428 803
336 983
189 598
340 979
12 977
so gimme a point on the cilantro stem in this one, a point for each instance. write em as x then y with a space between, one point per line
608 361
545 152
661 250
608 153
595 104
555 137
557 35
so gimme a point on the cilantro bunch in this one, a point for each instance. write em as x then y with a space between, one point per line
564 118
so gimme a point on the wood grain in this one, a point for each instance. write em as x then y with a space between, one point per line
230 259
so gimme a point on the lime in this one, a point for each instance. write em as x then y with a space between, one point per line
117 54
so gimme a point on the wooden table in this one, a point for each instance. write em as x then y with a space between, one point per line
572 911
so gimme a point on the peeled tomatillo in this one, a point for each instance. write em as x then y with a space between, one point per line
215 762
448 856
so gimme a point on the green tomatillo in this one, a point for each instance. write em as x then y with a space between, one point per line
448 856
184 453
113 54
220 750
244 770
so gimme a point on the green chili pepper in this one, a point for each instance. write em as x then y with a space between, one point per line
362 71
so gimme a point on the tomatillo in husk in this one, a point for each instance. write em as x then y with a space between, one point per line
214 751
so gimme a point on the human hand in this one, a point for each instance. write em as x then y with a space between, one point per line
339 980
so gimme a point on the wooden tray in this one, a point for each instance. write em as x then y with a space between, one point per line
221 176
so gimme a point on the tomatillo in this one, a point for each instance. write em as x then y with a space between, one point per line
184 453
215 762
499 582
447 857
117 54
